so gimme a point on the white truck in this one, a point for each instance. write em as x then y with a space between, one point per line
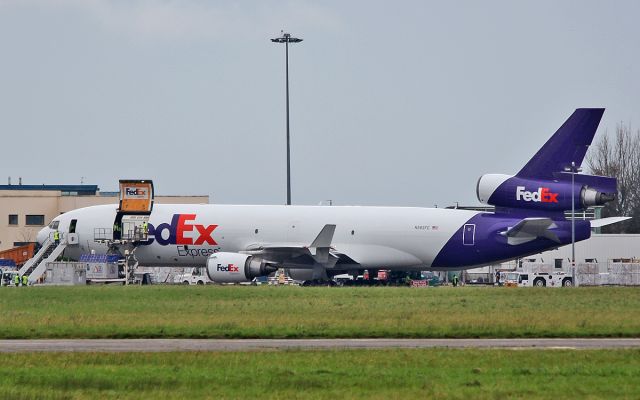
7 278
197 276
538 279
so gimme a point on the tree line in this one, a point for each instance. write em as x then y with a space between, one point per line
618 156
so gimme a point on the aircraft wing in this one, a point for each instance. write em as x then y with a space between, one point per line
530 229
318 252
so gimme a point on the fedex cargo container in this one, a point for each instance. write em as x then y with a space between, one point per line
20 254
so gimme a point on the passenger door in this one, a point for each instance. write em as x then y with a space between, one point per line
469 234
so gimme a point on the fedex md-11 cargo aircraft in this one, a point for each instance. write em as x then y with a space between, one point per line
240 242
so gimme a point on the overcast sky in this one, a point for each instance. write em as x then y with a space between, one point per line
392 103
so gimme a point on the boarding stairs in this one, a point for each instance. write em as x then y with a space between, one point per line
37 265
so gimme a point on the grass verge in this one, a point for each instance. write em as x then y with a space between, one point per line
296 312
370 374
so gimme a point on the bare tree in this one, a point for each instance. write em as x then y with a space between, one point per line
25 235
619 157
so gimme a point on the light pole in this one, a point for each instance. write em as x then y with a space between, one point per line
573 169
286 38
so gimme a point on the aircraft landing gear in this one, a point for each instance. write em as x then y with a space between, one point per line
319 282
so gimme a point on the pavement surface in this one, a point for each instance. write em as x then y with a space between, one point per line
165 345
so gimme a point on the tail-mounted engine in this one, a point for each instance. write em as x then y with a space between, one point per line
516 192
236 267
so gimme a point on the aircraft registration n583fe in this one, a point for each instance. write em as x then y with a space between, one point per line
240 242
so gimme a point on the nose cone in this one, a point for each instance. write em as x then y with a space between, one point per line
43 235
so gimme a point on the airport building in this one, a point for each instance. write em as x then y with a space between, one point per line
28 208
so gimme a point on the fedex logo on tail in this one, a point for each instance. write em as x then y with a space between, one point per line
182 231
542 195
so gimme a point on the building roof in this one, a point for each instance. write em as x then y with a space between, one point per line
79 189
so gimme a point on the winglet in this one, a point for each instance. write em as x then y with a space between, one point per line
325 236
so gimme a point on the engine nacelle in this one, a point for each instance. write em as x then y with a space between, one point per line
516 192
488 184
591 197
236 267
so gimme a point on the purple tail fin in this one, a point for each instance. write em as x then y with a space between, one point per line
568 144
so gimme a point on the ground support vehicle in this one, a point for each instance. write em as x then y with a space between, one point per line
537 279
198 276
7 277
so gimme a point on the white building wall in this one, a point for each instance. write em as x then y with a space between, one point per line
602 247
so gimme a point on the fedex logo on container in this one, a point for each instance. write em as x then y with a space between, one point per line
135 193
182 231
542 195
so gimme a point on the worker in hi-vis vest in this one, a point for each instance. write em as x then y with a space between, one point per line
16 280
25 280
56 237
116 231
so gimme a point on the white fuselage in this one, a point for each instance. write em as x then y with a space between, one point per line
373 237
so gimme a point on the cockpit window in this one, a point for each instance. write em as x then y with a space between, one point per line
54 224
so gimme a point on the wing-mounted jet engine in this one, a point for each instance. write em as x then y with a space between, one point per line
264 259
236 267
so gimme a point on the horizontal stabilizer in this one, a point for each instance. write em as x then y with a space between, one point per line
530 229
598 223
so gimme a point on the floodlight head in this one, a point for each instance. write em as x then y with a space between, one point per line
572 168
286 38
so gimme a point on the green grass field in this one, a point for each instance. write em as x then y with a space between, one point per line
359 374
296 312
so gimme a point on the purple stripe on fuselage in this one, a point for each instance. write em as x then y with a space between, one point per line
488 246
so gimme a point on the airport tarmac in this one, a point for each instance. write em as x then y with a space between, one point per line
166 345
